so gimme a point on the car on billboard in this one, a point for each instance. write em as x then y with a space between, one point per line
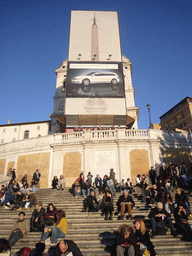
86 80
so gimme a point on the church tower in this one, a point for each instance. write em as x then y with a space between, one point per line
94 41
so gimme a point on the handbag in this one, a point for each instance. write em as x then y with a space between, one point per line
146 253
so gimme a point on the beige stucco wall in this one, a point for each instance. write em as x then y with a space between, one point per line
29 163
2 165
71 167
139 163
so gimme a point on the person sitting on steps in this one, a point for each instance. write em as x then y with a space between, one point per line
125 203
37 218
159 217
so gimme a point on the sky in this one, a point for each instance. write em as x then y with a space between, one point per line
34 35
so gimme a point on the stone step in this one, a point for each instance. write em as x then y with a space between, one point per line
89 230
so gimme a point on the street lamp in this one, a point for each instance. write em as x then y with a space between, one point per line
149 107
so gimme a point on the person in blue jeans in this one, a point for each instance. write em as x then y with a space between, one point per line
58 230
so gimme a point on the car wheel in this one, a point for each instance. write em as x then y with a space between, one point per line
114 81
86 82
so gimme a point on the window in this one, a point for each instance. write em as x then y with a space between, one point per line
2 141
26 134
183 116
38 127
3 130
15 129
176 121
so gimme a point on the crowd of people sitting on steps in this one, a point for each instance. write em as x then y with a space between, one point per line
157 192
51 222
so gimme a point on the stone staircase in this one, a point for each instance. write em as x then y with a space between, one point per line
90 231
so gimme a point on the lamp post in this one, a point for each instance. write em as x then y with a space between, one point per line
149 107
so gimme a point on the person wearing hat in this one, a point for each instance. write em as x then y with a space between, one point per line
25 251
37 218
159 217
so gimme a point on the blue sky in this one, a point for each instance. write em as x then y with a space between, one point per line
155 35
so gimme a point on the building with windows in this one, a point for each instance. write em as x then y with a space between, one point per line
179 117
20 131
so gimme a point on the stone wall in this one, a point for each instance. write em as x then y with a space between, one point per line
139 163
2 165
128 152
27 164
71 167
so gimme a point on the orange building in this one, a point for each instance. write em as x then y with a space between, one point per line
179 117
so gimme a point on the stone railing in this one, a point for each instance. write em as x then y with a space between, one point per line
45 142
100 135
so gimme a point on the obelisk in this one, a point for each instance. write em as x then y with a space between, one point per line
94 41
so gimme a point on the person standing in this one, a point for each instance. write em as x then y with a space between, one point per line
152 175
108 205
36 178
112 175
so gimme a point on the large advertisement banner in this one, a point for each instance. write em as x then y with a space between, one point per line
96 80
94 36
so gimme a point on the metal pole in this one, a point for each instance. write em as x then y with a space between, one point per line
149 107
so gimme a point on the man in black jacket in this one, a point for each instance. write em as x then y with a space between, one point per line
36 178
125 203
182 198
37 218
67 247
181 219
91 203
159 217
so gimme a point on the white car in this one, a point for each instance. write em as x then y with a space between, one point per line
96 78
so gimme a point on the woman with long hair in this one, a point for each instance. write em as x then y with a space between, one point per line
108 205
143 238
54 182
58 230
167 202
50 215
